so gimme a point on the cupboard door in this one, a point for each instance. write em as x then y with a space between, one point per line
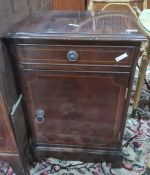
76 109
69 5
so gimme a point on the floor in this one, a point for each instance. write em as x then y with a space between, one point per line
136 146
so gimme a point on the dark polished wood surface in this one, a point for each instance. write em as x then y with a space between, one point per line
79 25
75 93
65 99
7 142
11 147
88 55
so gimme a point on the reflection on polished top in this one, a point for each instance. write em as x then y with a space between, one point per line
79 25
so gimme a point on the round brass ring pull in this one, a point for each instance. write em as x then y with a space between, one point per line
72 55
40 114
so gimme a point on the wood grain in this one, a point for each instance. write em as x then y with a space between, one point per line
148 4
69 5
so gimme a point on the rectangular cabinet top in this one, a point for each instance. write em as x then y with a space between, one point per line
69 25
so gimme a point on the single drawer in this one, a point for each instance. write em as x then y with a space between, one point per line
83 55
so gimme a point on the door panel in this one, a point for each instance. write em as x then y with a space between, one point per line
79 109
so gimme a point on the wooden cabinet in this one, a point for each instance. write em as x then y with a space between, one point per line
7 141
69 5
13 133
75 72
64 99
12 149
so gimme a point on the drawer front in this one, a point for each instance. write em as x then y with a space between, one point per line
75 109
112 55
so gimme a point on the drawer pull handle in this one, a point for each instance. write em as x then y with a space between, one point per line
72 55
40 114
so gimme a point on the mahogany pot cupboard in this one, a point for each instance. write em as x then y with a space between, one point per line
75 72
